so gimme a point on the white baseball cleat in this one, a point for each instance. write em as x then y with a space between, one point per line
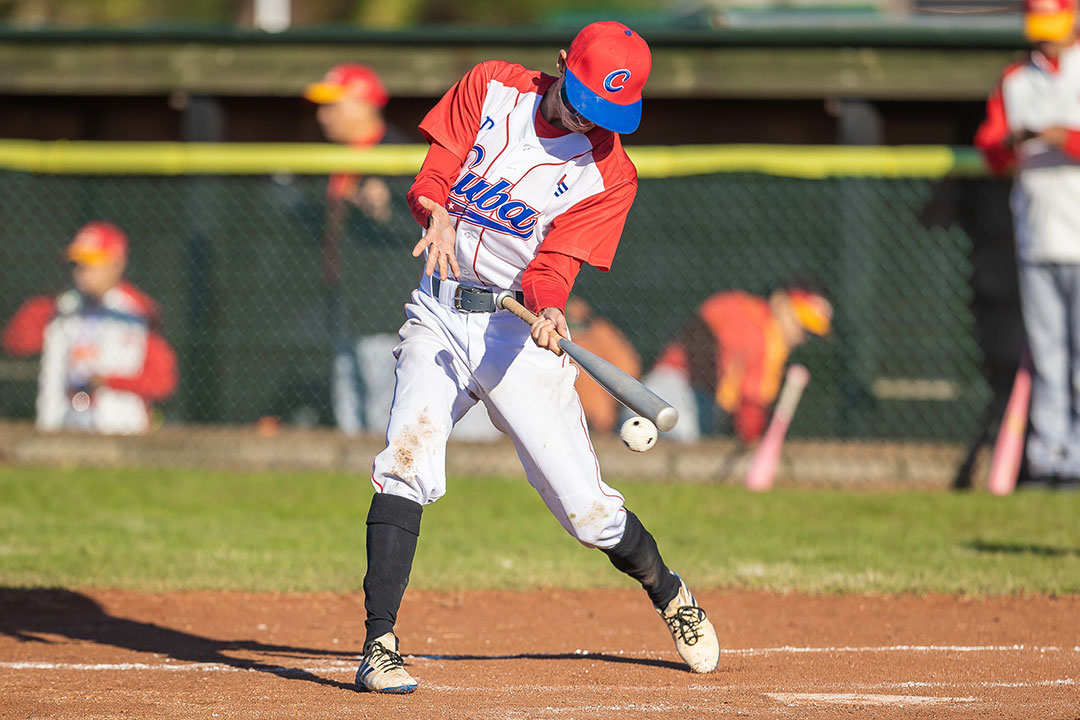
694 635
383 670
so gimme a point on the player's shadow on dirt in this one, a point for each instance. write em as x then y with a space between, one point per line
25 613
1012 548
591 657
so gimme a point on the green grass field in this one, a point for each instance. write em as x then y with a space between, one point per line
186 529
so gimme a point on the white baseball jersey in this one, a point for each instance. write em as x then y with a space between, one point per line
1045 191
525 183
524 186
108 340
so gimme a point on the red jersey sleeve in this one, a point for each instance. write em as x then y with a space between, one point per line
438 172
547 280
590 230
455 119
993 133
25 332
158 378
1072 144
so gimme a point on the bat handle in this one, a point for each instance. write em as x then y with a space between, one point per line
506 301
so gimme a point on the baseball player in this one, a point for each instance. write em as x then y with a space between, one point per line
103 360
731 355
1032 129
525 181
350 99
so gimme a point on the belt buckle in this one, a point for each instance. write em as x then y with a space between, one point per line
458 305
473 300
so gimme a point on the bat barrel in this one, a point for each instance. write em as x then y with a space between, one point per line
623 387
666 418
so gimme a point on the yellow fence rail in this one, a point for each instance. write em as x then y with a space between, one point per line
169 158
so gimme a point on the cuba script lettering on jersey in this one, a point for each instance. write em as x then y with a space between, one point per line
478 201
524 183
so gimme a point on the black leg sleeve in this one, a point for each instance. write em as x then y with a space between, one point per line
637 556
393 526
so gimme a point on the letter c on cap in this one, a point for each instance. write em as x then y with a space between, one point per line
615 80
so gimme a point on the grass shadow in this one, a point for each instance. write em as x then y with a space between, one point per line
1015 548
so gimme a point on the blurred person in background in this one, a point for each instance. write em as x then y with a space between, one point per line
350 100
731 355
599 335
1032 129
104 362
979 206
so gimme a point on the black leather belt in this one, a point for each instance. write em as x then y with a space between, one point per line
473 300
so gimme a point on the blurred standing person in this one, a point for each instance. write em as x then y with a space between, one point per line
599 335
980 208
1032 128
731 355
103 359
350 99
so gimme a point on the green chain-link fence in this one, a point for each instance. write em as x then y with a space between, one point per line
235 262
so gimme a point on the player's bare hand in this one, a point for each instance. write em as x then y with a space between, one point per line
1054 136
550 325
438 241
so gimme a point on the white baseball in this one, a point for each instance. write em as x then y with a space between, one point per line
80 401
638 434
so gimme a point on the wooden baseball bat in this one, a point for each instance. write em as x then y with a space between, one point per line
762 470
1009 445
622 385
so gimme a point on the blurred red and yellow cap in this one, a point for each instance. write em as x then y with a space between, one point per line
348 80
98 243
813 312
1049 20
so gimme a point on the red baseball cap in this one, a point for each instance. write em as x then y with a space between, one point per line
98 243
606 68
348 80
1049 20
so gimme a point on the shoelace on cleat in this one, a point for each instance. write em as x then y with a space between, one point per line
686 623
385 660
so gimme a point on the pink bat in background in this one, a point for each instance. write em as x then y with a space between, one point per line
1009 446
762 470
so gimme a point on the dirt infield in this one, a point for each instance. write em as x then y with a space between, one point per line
557 654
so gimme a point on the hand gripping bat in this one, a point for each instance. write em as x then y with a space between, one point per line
622 386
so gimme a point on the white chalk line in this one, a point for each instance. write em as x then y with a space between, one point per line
984 683
349 667
335 665
898 648
706 692
750 652
177 667
797 699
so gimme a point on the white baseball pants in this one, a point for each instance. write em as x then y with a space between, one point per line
447 361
